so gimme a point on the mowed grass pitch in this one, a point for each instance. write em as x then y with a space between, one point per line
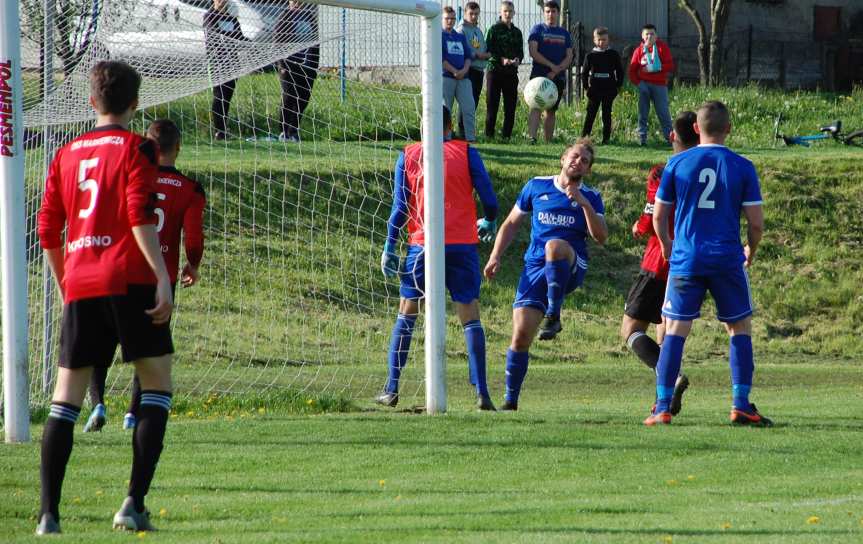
574 464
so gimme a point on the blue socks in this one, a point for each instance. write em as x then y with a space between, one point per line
400 345
516 370
742 364
557 275
474 338
667 370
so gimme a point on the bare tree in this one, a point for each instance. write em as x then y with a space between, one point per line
709 46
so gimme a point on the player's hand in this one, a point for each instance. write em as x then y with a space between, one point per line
635 232
389 261
161 313
486 229
491 268
749 254
573 192
552 74
190 275
666 249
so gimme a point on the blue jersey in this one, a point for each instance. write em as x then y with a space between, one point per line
552 43
555 216
455 50
709 185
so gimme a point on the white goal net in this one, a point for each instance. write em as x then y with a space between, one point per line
291 296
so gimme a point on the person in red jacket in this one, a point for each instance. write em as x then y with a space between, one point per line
180 203
648 70
644 301
101 190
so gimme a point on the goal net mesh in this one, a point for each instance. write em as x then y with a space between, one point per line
291 296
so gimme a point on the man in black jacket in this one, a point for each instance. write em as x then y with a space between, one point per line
221 34
602 76
297 25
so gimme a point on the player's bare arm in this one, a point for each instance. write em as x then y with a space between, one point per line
148 241
504 238
54 256
754 230
661 213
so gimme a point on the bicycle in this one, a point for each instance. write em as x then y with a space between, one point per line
826 132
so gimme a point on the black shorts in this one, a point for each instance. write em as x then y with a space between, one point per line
645 298
93 327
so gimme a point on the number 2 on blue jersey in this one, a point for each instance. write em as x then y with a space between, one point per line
708 176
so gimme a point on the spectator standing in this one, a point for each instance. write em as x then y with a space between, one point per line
506 51
550 48
297 73
602 76
456 64
479 55
648 70
221 33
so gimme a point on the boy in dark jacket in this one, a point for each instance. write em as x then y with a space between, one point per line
602 76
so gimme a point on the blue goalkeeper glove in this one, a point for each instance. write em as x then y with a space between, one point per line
486 229
389 260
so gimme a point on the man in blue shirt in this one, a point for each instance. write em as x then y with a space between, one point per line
564 211
550 47
456 64
708 186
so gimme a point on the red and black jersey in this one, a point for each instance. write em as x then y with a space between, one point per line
653 262
100 185
180 203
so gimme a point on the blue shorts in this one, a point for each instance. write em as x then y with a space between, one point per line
730 292
532 289
462 275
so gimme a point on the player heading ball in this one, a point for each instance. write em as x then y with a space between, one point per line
103 184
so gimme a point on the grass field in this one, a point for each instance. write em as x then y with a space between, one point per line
300 453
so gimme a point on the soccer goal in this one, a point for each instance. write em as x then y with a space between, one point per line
291 296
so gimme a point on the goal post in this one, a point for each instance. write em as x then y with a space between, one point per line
432 132
16 420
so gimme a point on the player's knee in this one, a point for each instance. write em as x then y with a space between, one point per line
521 341
154 373
558 249
744 326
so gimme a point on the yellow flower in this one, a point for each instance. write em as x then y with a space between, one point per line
310 402
691 477
76 500
163 512
813 520
726 526
671 482
382 483
99 492
262 410
142 534
667 539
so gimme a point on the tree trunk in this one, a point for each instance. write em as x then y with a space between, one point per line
719 10
704 61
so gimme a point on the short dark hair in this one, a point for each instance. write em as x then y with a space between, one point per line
551 4
165 133
649 26
448 9
713 118
684 129
471 5
601 31
114 86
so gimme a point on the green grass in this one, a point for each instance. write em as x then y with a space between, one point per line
573 465
292 317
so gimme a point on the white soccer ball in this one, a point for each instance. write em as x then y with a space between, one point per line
540 93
